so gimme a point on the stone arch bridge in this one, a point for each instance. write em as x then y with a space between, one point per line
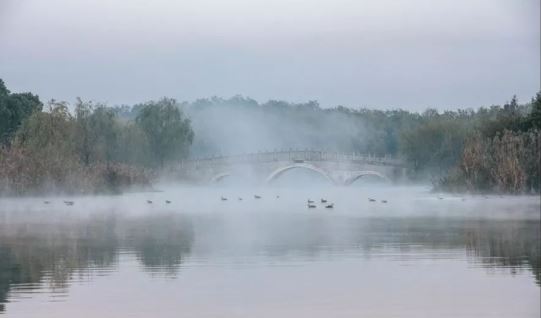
265 167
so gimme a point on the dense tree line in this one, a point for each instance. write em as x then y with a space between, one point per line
435 145
87 149
501 152
491 148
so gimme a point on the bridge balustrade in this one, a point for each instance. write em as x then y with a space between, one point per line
290 155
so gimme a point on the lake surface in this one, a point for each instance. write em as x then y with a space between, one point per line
418 255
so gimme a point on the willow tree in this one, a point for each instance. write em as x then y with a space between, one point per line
168 131
48 158
96 131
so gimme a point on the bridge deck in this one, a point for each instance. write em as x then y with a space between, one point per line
295 155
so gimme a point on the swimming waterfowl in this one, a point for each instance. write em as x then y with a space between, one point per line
167 201
46 202
240 199
383 201
257 196
311 206
371 200
329 206
323 201
224 199
69 202
149 202
310 201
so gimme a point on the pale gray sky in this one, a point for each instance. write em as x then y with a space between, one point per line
380 53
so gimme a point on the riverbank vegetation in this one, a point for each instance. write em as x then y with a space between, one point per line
491 149
50 149
495 148
89 148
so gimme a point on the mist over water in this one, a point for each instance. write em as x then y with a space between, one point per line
126 190
203 256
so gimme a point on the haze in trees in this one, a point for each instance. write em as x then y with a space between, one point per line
96 147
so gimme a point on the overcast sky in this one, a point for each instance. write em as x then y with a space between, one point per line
411 54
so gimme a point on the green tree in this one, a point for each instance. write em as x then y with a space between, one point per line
48 133
133 146
168 132
96 131
48 160
534 119
14 109
436 144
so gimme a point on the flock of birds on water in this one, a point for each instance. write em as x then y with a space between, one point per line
68 203
311 204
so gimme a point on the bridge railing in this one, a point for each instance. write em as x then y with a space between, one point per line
292 155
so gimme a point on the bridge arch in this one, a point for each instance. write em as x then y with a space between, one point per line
219 176
359 174
278 172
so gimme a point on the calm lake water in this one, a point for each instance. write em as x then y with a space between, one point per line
418 255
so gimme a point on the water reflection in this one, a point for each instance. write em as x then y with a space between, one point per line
56 249
38 255
159 242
